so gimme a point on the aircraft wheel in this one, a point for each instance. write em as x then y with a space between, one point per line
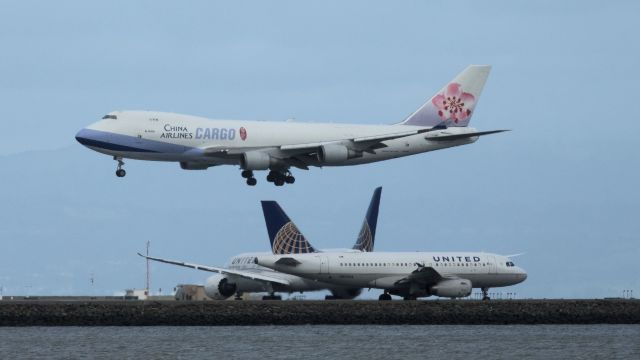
384 297
121 173
485 294
290 179
271 176
278 182
252 181
246 174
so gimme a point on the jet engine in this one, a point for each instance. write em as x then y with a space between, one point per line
258 160
452 288
334 153
218 287
346 293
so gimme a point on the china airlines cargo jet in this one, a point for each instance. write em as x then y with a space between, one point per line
242 275
198 143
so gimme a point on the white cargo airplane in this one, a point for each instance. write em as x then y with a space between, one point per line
242 275
407 274
199 143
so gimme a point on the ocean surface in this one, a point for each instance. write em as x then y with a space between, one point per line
324 342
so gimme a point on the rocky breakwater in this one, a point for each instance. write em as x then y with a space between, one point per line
85 313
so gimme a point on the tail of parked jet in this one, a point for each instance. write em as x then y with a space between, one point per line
455 103
284 235
367 235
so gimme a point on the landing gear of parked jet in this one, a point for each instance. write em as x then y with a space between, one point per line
272 297
248 174
120 171
279 178
385 296
485 294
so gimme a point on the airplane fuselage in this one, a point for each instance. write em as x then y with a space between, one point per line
245 262
386 270
159 136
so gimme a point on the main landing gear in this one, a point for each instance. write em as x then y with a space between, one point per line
248 174
120 171
485 294
279 178
385 296
272 296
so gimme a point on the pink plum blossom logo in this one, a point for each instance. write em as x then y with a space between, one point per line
454 103
243 133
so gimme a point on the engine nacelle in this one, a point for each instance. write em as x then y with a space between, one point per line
192 165
219 288
258 160
346 293
334 154
453 288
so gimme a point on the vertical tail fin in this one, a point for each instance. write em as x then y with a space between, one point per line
367 235
454 104
284 235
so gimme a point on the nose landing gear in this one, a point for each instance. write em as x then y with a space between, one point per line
120 171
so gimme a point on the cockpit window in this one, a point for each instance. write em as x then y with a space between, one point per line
110 117
510 264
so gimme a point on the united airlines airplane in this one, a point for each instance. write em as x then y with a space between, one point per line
198 143
410 275
242 275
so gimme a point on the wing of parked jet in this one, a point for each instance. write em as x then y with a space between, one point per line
244 274
423 275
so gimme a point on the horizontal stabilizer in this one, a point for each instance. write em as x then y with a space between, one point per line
436 137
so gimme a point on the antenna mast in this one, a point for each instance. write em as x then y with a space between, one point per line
148 272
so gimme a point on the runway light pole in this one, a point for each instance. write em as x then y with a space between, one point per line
148 281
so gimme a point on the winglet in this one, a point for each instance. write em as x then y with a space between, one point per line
367 235
284 235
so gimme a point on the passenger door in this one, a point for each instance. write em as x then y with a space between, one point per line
324 265
493 269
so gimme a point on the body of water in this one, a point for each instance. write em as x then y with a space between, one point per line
324 342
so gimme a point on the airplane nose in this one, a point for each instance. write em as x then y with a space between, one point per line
83 137
93 138
522 276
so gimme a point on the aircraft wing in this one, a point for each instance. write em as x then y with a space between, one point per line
424 275
358 140
245 274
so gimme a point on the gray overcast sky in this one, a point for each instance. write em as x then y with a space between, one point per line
562 186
